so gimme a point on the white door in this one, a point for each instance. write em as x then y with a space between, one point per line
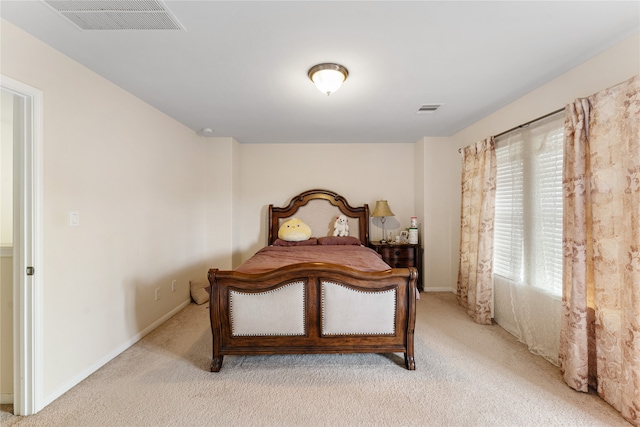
27 246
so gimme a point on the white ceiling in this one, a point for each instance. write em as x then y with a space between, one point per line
240 67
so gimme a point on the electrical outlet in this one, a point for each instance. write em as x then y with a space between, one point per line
174 285
157 294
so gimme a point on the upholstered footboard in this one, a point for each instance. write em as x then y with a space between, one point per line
312 308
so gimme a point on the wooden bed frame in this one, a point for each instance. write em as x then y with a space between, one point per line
397 286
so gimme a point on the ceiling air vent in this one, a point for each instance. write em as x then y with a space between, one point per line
428 108
117 14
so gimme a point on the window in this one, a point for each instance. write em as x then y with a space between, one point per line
528 220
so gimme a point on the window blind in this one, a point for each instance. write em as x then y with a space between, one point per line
528 221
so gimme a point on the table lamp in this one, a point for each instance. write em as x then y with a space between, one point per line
382 211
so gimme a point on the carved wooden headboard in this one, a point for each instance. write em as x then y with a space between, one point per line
319 209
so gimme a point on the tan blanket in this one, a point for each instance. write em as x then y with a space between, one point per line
356 257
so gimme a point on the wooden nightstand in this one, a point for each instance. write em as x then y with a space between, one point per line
400 255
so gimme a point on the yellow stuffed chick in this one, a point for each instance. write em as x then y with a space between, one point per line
294 230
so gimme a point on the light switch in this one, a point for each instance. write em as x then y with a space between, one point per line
74 219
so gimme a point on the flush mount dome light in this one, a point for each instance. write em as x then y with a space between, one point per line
208 132
328 77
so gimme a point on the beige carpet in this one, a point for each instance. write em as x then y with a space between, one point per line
466 375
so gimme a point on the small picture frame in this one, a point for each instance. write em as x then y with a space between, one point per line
404 236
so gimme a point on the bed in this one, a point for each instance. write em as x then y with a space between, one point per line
316 298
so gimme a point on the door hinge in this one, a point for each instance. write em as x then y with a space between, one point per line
30 271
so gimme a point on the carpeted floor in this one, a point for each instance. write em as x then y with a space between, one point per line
466 375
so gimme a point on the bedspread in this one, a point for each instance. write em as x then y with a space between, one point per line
356 257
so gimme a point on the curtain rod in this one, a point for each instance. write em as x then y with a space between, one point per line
524 124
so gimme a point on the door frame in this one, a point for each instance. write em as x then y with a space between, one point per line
28 322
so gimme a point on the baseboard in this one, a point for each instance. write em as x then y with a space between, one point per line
78 378
439 290
6 398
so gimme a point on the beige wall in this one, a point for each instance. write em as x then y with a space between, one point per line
6 169
609 68
140 182
362 173
441 169
219 205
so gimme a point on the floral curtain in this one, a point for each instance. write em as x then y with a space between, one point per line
475 284
600 336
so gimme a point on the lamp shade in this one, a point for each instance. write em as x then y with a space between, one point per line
382 209
328 77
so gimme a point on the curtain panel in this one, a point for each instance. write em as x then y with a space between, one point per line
475 282
527 265
600 334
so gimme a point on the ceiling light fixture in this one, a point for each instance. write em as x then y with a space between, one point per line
328 77
208 132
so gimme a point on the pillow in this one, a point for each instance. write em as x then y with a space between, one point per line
309 242
199 291
336 240
294 230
